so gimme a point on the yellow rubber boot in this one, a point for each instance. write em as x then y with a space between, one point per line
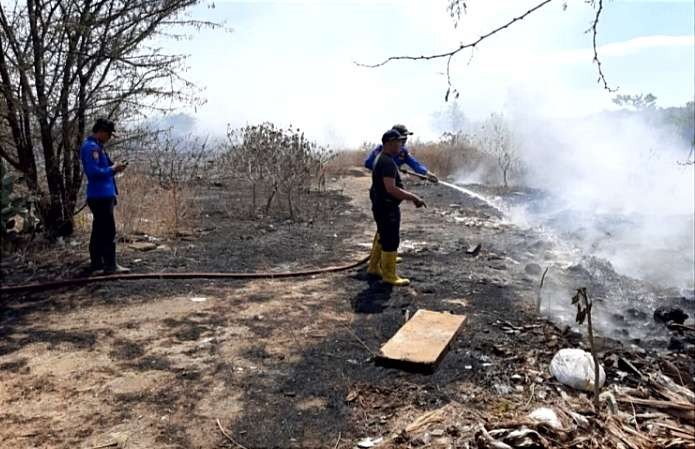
388 270
374 267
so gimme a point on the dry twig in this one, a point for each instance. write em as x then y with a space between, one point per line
229 437
540 287
356 337
104 446
533 391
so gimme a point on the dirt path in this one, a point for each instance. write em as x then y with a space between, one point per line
281 363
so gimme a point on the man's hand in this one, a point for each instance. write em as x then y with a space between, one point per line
118 167
418 202
432 177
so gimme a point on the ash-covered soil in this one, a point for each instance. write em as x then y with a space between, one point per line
289 363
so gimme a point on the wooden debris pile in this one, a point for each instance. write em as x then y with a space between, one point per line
659 413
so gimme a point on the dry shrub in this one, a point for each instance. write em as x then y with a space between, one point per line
144 207
451 155
454 155
279 167
147 207
346 162
439 158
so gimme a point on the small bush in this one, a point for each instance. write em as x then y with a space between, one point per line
155 190
145 207
16 206
279 167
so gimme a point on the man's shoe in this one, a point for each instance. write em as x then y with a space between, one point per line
374 268
91 270
116 270
388 268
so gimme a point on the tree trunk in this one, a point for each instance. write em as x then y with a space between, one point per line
62 63
270 199
289 203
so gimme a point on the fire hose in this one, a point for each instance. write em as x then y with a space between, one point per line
43 286
51 285
417 175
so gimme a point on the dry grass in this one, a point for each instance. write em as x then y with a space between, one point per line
454 159
443 158
346 161
144 207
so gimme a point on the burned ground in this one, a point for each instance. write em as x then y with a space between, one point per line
288 363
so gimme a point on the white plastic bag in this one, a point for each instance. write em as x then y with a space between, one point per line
546 415
575 368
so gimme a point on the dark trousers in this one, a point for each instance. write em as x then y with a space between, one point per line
388 225
102 244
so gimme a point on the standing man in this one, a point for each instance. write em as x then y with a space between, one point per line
403 157
386 194
101 197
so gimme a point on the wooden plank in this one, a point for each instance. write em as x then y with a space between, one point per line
421 343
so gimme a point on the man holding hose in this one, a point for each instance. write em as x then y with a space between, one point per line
386 194
403 157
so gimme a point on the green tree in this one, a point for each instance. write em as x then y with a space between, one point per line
638 102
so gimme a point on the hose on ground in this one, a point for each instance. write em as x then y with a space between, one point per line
51 285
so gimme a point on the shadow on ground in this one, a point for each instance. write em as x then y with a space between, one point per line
334 387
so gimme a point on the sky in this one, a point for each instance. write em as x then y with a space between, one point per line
293 62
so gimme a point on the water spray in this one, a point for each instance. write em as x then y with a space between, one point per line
463 190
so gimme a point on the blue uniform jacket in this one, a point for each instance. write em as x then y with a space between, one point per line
97 167
403 157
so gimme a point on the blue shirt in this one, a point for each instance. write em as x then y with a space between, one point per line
97 167
403 157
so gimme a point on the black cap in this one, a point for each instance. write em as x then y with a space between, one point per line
103 124
402 129
392 135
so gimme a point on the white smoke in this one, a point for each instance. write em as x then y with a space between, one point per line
616 187
619 186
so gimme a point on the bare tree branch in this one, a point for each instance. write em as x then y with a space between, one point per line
594 30
450 54
457 7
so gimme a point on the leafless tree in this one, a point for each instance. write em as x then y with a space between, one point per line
65 62
496 138
280 164
457 8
